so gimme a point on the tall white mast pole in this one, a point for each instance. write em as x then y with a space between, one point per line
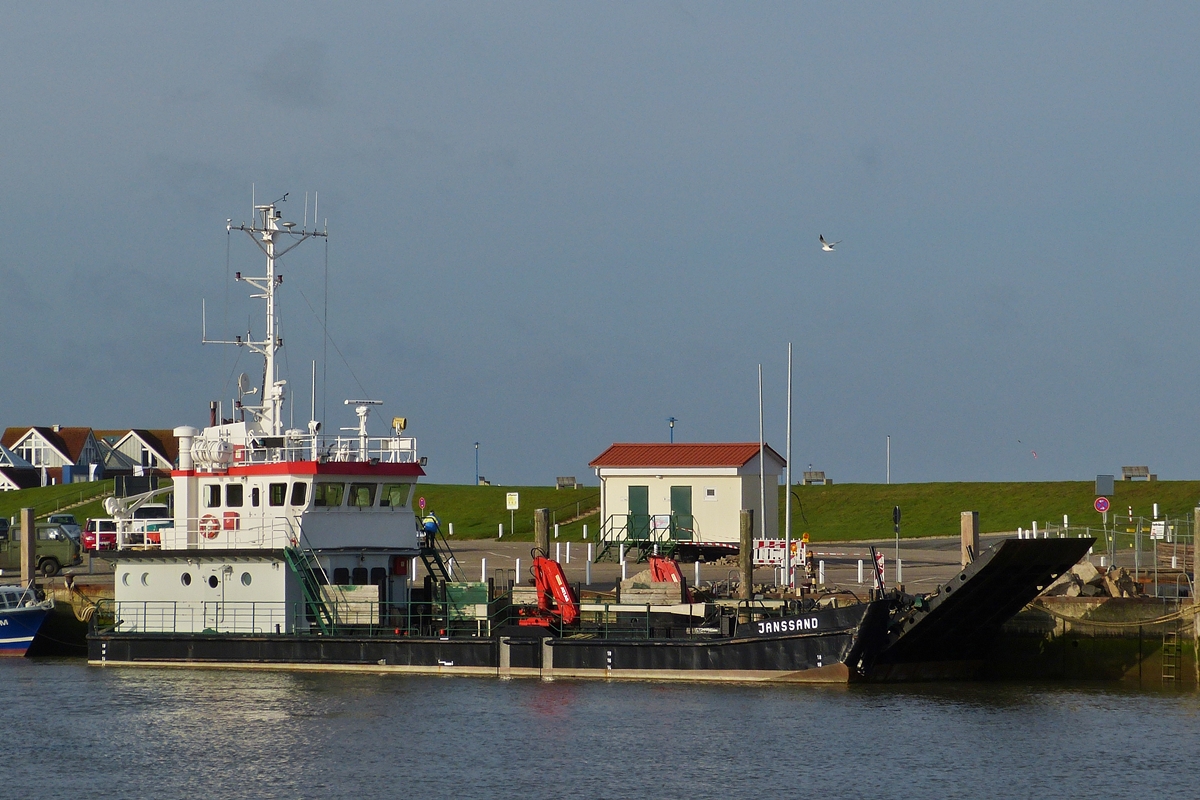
276 394
762 481
787 483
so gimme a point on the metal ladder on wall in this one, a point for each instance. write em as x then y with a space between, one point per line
303 562
1170 653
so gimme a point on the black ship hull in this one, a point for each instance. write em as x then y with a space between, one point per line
821 646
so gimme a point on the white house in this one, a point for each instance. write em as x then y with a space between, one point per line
56 447
704 485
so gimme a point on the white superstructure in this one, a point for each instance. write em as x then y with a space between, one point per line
268 520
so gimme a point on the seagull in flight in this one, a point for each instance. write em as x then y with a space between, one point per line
827 246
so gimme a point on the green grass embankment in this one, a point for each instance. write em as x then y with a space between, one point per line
828 513
476 511
864 511
45 500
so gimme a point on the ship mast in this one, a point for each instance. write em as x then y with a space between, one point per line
276 239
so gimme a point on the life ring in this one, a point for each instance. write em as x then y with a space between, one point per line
209 526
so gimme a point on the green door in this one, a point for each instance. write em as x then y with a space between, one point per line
681 512
639 512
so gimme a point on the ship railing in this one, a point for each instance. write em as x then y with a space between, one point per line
440 618
219 530
377 450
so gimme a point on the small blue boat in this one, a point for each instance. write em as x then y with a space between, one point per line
21 617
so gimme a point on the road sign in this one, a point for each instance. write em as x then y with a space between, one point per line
1102 504
512 501
896 515
421 503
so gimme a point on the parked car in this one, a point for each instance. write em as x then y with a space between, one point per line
100 534
55 549
149 521
67 523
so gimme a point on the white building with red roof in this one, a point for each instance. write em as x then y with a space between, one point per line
694 490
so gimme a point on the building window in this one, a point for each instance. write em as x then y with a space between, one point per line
299 493
212 495
362 495
710 493
254 497
277 492
233 495
328 495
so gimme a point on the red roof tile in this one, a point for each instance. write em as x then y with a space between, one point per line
729 454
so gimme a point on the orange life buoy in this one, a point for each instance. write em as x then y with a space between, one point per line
209 527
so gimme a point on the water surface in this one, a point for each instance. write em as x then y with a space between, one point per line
79 732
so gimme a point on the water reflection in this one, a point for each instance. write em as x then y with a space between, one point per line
166 732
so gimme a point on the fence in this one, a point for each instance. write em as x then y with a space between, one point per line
1160 553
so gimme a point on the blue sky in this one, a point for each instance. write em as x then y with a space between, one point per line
552 226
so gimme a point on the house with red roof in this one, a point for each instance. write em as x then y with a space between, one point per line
696 489
55 447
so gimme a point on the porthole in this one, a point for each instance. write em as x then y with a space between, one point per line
186 579
246 579
125 579
212 581
145 579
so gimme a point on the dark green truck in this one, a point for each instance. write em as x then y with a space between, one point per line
55 548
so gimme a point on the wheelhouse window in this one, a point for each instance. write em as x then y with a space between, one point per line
328 495
212 495
362 495
299 493
233 495
276 492
254 497
394 495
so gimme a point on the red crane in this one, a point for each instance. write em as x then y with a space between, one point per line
556 598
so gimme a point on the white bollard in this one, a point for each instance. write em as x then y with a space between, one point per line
483 571
568 552
623 576
587 573
1103 561
899 571
1174 562
450 568
696 580
501 527
1156 510
1020 533
860 574
585 531
622 551
451 528
589 552
556 530
558 552
518 572
412 571
821 573
1034 529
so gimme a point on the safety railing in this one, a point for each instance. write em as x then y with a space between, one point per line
216 530
1158 552
439 618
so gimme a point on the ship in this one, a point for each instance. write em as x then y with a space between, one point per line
289 548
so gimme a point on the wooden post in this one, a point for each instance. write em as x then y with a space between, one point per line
746 554
541 530
28 546
968 527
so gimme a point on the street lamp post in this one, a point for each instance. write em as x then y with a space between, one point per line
477 463
671 425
